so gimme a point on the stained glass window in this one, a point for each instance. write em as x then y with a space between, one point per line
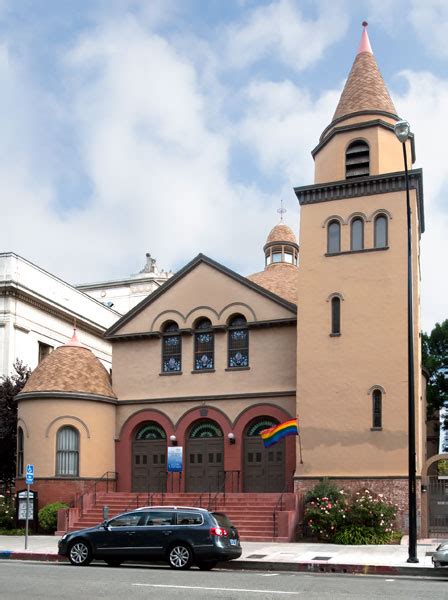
151 431
205 429
259 425
19 451
204 346
171 349
238 336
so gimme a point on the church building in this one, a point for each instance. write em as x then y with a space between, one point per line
211 358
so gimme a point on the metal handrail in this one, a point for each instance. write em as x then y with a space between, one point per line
222 488
104 477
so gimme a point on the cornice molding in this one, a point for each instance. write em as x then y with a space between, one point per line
210 398
364 186
65 396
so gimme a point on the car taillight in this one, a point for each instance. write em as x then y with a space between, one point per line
218 531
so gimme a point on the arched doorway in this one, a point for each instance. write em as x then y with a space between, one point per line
264 468
205 457
149 458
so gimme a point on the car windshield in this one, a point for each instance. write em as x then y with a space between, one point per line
223 520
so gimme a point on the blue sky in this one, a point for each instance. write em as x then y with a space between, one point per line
176 126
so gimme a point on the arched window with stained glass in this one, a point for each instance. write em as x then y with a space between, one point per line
171 348
151 431
205 429
204 346
20 452
260 424
238 343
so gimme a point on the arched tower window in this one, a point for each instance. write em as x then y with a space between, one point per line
335 315
333 237
380 231
20 453
171 348
357 160
238 343
357 234
377 409
67 452
204 346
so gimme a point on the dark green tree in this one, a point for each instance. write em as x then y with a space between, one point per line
10 386
435 360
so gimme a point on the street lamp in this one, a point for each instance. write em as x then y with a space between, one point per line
402 131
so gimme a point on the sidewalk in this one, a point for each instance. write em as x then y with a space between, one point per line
266 556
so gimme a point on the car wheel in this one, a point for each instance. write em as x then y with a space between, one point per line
113 562
437 564
206 565
180 556
80 553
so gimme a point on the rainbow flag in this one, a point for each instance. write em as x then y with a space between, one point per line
274 434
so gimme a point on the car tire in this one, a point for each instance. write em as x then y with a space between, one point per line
113 562
180 556
206 565
437 564
80 553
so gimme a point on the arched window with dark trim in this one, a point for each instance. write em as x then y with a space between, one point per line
204 346
20 452
238 343
357 234
333 237
67 452
357 159
335 315
171 348
377 409
380 231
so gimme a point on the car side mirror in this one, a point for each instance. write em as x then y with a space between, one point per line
105 524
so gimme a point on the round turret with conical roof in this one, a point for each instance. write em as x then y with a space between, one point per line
66 413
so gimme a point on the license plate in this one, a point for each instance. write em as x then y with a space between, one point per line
233 542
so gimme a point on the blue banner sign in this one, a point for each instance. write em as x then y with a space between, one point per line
175 459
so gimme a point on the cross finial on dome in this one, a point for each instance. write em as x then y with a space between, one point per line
364 45
281 210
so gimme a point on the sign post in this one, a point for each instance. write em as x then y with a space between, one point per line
29 480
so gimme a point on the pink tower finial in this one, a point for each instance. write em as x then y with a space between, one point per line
74 341
364 45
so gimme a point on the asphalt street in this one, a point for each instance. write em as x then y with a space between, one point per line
35 581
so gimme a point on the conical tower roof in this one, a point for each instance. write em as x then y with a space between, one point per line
364 89
281 233
70 369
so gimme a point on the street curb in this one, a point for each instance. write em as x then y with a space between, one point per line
258 565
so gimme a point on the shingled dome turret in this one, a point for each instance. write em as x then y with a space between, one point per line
281 259
70 369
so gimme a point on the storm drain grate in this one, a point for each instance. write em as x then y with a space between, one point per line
257 555
322 558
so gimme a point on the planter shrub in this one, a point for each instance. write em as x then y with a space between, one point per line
48 516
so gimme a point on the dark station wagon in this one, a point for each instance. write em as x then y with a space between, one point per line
180 536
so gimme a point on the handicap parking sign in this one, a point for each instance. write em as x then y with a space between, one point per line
29 477
30 469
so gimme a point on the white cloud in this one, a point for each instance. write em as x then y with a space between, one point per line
280 31
430 21
429 124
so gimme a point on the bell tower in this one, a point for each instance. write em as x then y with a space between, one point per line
352 372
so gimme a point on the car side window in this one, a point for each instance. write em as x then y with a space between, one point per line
189 518
157 518
128 520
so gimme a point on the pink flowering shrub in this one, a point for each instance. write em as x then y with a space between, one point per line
365 518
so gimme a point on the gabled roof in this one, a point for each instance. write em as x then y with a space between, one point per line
200 258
